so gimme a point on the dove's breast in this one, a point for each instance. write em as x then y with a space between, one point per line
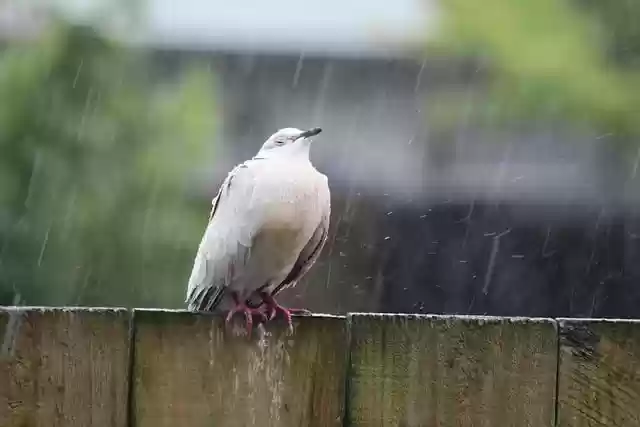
288 206
290 199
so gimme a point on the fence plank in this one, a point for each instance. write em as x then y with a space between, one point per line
412 371
189 371
599 374
62 367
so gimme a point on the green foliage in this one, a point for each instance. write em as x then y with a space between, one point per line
94 161
554 60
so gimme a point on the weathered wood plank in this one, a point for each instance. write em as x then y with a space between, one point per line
62 367
189 371
599 373
412 371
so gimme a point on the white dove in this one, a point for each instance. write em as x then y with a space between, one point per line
268 225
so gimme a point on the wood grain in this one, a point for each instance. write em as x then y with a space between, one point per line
62 367
189 371
412 371
599 374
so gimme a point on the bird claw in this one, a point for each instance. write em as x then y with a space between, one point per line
249 314
287 312
273 308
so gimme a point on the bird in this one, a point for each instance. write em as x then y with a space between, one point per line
268 224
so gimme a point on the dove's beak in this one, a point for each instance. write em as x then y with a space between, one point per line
309 133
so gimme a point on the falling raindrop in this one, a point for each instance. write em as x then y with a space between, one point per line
37 161
75 79
44 246
87 104
419 77
604 135
495 247
546 254
296 75
634 171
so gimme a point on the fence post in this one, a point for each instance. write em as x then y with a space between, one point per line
412 370
188 371
599 374
63 367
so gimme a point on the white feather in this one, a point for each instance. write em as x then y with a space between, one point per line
263 226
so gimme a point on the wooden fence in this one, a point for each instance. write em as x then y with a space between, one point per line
112 367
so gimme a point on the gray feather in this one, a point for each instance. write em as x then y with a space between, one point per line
211 270
308 256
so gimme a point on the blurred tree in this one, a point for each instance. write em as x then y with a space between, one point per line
94 161
553 60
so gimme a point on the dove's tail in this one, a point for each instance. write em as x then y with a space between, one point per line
213 271
205 298
205 290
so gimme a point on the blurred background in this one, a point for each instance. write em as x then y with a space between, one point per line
482 156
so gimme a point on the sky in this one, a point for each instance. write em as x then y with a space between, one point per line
366 27
328 25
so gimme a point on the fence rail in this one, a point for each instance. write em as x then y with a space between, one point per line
117 368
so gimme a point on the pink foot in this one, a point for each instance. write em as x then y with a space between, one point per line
248 312
273 308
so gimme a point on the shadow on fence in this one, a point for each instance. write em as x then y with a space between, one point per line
114 367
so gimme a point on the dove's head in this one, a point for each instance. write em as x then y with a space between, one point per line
288 142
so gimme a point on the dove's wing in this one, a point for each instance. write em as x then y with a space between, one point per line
312 249
226 242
